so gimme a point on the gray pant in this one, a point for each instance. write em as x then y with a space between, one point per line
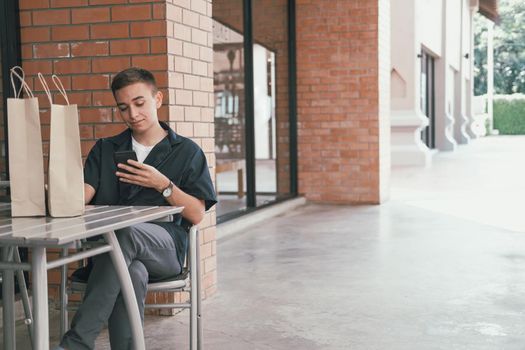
149 251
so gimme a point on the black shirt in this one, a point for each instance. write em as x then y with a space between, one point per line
177 157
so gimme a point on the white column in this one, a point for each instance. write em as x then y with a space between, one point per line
460 111
490 76
461 119
445 78
407 147
470 90
406 120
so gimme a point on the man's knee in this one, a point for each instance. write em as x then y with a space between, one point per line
126 238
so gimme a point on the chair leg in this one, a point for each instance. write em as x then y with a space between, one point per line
198 281
25 296
63 296
193 292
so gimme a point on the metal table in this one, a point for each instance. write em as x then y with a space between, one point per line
41 233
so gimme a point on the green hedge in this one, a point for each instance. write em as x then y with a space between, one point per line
509 114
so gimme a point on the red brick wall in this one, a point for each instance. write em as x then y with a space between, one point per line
85 46
338 101
86 42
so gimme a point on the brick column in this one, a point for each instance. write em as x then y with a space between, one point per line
86 42
342 55
191 100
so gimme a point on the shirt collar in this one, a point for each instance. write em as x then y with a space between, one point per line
125 136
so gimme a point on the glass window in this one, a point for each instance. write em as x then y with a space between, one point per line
271 112
228 80
270 106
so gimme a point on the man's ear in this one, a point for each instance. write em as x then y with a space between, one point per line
158 99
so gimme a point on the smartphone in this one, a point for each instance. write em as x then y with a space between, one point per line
122 157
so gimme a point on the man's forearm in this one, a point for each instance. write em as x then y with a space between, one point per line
193 207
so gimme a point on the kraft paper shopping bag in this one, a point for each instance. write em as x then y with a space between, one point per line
26 161
65 171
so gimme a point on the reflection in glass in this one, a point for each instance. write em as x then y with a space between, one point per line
271 99
265 132
228 78
270 109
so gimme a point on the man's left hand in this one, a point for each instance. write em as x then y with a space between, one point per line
143 175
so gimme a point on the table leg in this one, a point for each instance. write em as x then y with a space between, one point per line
40 301
8 301
127 291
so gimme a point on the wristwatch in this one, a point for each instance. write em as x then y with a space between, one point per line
168 190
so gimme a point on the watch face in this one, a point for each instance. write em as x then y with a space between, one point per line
167 191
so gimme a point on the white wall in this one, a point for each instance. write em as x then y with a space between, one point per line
442 28
403 54
407 120
414 24
384 67
453 29
428 21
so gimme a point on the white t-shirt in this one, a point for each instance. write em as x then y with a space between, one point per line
141 150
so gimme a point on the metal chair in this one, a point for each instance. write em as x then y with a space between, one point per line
188 280
9 254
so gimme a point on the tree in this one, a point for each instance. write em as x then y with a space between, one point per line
509 50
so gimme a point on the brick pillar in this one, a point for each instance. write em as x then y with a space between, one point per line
342 54
191 100
87 45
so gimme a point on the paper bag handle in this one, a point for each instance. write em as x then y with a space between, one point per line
60 87
23 84
46 87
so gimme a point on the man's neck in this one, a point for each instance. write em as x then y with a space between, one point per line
150 137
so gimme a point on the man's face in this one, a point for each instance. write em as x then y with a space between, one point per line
138 106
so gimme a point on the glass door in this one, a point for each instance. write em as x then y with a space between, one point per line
252 82
230 120
427 98
271 100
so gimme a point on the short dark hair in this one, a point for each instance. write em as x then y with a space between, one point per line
131 76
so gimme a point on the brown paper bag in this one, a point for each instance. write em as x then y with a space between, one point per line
65 172
26 161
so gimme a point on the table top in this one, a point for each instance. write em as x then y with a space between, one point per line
48 231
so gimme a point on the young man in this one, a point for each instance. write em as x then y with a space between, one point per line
171 170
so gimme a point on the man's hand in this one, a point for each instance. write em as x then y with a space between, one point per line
143 175
89 193
147 176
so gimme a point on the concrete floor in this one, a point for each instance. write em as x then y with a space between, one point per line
439 266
